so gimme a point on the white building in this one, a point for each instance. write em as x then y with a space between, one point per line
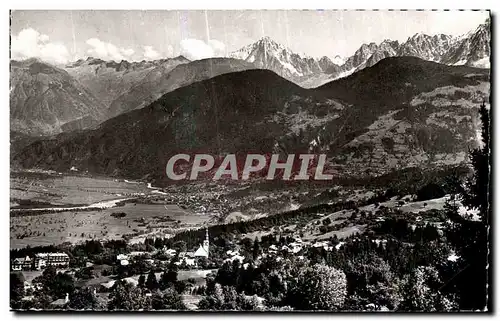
203 250
23 263
233 258
121 257
43 260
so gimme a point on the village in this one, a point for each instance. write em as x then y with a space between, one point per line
191 266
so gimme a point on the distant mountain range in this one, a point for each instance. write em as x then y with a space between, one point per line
164 79
401 112
471 49
107 80
47 100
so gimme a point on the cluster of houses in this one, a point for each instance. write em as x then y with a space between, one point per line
41 261
298 244
188 258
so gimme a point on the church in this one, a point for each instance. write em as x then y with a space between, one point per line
202 251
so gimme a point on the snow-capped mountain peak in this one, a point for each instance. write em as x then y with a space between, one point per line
267 53
338 60
472 49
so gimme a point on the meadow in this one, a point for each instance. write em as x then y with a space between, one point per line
139 220
132 219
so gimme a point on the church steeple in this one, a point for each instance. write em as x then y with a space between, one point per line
206 242
203 249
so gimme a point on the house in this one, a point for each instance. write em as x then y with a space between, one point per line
170 252
203 251
40 261
137 253
295 247
324 244
319 244
233 258
23 263
188 261
232 253
121 257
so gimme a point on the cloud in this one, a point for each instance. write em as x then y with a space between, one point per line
195 49
29 43
107 51
128 52
150 53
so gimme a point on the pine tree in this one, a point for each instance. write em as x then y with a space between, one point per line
142 281
85 299
151 282
256 249
470 237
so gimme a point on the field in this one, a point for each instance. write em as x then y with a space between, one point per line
135 220
69 190
73 227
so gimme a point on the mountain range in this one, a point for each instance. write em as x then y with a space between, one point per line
373 106
471 49
46 100
400 112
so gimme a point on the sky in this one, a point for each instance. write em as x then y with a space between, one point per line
63 36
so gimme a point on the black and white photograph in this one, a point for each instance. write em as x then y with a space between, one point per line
250 160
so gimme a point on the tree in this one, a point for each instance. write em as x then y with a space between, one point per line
230 296
168 278
227 299
430 191
319 287
256 249
142 281
247 303
85 299
180 246
85 273
371 281
470 237
167 300
151 282
16 289
56 285
40 301
47 275
420 292
277 289
213 300
125 296
203 262
225 275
